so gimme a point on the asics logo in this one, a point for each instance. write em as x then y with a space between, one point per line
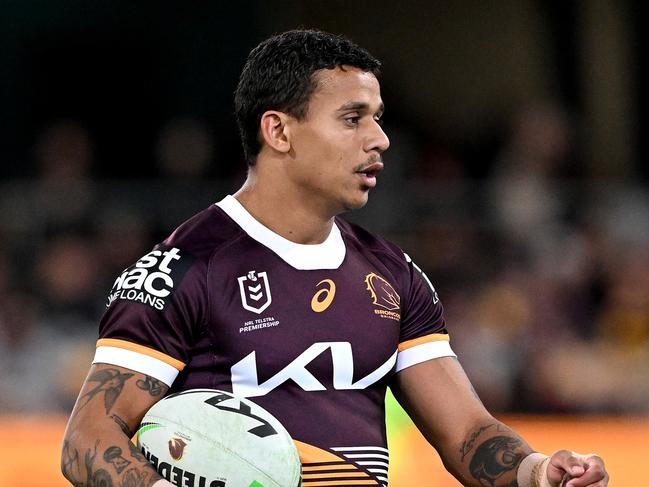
324 297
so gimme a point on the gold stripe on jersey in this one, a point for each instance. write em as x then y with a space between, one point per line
313 454
434 337
134 347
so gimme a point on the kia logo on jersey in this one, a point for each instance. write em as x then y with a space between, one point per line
255 291
246 383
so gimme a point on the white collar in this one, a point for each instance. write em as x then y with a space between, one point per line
326 255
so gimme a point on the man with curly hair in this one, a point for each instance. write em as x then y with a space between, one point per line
270 295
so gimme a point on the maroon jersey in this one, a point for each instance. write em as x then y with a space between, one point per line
312 333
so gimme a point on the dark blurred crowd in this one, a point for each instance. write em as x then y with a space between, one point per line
543 270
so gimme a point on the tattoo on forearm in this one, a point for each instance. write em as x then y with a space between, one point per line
467 446
123 426
135 478
110 382
153 386
100 477
137 454
496 457
113 455
70 464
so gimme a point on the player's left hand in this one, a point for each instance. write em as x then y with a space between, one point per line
570 469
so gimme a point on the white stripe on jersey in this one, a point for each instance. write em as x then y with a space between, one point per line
421 353
425 277
367 455
374 456
383 471
138 362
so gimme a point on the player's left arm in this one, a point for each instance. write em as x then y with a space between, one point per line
475 447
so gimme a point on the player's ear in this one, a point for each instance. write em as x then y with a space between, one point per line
274 131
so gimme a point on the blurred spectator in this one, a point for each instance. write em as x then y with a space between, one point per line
62 194
624 320
492 343
67 272
64 152
43 359
185 149
526 196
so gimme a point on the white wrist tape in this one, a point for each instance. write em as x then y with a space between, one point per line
163 483
532 471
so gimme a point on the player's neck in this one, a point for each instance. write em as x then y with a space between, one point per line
284 213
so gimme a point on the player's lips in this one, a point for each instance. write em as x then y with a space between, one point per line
368 173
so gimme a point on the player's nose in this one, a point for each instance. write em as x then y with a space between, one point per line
377 139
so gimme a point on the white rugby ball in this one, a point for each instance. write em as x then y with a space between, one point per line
211 438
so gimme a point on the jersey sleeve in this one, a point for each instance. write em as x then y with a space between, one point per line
423 329
155 312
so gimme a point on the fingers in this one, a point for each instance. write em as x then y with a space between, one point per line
565 462
570 469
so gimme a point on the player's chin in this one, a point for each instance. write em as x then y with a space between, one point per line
359 200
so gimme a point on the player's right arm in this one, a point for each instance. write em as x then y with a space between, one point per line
97 447
155 310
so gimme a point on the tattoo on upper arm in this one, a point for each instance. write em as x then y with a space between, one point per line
153 386
110 382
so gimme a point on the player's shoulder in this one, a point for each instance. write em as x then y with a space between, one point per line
369 242
204 233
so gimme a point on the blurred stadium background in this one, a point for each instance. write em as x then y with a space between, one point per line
517 178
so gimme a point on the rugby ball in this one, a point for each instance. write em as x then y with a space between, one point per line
211 438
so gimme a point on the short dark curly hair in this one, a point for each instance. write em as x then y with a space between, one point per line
278 75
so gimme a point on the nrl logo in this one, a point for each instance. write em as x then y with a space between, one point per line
382 292
255 291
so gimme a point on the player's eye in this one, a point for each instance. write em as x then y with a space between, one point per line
379 121
353 119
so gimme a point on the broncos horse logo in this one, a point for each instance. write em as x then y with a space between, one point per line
176 448
382 292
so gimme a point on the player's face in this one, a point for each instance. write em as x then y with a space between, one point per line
337 148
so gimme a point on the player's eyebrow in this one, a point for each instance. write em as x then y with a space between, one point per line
360 106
